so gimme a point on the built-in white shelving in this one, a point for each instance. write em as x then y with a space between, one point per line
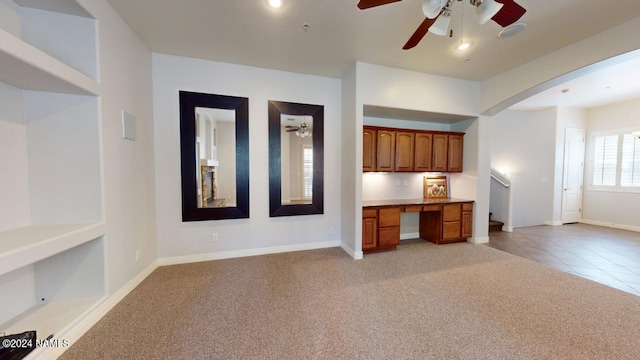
26 67
52 254
29 244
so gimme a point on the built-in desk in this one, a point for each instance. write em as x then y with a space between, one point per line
442 221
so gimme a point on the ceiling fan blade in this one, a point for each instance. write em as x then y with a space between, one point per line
366 4
420 32
510 13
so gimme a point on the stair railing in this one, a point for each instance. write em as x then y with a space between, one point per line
503 180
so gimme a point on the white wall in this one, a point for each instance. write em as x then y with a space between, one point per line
523 146
394 88
128 166
175 238
611 208
14 179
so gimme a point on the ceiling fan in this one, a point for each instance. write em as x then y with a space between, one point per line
438 15
302 130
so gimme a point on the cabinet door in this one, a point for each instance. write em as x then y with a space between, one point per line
423 151
467 224
385 147
455 153
440 149
369 233
369 149
405 142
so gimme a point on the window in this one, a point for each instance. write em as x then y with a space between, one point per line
630 166
308 172
616 162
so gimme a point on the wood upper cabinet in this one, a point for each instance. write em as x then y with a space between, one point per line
405 153
385 148
402 150
440 152
369 153
423 152
455 153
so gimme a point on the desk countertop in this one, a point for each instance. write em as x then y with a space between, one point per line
400 202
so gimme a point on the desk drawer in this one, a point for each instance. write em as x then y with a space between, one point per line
389 217
432 208
467 207
369 213
451 212
389 236
413 208
451 230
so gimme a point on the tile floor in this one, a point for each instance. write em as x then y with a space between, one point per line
608 256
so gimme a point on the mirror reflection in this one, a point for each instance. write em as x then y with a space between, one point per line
216 157
296 165
296 149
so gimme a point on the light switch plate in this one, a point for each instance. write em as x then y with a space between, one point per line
128 126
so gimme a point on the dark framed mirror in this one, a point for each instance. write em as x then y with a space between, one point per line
296 165
214 154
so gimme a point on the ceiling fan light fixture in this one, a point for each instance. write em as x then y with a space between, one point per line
464 45
486 9
275 4
441 26
432 8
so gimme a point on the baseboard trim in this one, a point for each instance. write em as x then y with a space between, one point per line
507 228
480 240
356 255
187 259
78 328
553 223
408 236
611 225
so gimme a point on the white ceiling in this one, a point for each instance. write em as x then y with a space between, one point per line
247 32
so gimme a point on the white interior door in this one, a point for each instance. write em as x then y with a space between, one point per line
572 175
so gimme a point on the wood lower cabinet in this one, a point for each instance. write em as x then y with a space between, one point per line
405 151
467 220
439 223
369 229
385 150
380 229
369 153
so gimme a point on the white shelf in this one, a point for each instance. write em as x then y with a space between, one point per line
27 245
26 67
70 7
51 318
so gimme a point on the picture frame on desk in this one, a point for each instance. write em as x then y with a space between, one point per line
436 187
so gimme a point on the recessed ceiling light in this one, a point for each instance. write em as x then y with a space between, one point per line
276 4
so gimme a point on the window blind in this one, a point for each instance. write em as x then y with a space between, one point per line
308 172
630 164
605 160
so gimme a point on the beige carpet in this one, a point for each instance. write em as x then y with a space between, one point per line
456 301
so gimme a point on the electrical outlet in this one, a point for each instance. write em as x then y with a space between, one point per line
398 182
331 230
405 183
138 255
215 237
